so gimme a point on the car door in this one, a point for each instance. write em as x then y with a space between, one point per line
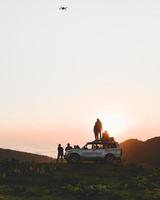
88 152
112 148
93 152
98 151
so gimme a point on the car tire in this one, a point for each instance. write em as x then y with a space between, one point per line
110 159
74 159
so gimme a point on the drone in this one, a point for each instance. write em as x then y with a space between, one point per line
63 8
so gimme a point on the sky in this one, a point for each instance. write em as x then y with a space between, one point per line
61 70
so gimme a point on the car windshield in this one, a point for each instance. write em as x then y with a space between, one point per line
88 146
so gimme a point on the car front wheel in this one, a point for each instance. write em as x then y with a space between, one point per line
74 159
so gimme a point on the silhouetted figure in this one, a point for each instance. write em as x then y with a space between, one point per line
98 129
76 147
105 136
68 147
63 8
111 139
60 153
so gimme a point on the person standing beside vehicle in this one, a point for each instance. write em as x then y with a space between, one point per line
68 147
60 153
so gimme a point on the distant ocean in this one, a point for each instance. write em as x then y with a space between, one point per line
36 149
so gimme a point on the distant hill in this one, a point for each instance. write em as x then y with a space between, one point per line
136 151
7 154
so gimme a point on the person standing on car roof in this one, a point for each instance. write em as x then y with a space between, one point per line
98 130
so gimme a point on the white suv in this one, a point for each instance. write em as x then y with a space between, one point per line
98 150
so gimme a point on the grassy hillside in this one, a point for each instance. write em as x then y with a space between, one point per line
23 181
36 177
7 154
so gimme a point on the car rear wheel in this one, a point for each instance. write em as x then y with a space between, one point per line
110 159
74 159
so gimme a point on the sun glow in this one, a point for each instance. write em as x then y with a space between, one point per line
115 124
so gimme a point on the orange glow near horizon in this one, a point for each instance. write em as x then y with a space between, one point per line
115 124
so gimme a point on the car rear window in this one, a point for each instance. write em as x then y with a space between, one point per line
111 145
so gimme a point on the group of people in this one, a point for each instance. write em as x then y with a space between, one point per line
60 150
98 136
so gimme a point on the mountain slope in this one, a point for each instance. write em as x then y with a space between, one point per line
7 154
136 151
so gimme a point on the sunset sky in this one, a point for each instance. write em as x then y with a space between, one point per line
61 70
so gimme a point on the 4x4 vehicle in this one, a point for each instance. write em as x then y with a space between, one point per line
98 150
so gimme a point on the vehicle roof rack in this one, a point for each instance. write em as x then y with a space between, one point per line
103 141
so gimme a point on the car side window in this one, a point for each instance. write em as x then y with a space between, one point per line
111 145
89 146
100 146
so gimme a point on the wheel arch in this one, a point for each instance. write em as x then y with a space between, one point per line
109 154
74 154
